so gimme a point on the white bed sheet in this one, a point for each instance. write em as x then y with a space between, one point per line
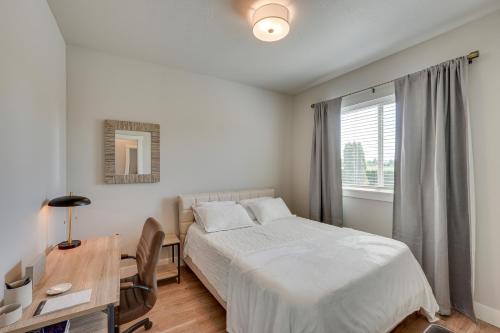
269 276
213 252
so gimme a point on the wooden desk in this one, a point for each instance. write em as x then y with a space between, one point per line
96 265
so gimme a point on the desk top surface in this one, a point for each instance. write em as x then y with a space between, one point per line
95 265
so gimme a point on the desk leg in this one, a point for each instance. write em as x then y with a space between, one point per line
111 318
178 263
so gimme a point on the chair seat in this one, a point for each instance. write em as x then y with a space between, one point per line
132 302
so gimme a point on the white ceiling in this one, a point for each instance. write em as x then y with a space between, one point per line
214 37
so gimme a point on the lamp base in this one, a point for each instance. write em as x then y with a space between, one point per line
66 246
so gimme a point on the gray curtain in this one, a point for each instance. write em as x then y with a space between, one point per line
431 189
325 184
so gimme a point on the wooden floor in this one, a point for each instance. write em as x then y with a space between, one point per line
189 307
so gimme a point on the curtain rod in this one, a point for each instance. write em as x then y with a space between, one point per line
471 56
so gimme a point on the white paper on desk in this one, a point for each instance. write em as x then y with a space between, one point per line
66 301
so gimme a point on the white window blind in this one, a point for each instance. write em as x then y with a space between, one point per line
368 144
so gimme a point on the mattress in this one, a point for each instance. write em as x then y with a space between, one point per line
298 275
213 252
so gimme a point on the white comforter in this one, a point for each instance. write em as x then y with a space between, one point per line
304 276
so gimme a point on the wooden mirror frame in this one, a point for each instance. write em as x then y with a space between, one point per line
110 126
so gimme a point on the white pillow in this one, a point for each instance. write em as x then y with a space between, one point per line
246 204
269 210
209 204
222 217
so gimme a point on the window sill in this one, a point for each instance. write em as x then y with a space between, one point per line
368 194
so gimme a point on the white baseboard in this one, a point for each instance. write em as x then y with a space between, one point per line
487 314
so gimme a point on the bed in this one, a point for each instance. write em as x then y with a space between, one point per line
298 275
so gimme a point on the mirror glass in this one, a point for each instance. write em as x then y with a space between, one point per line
132 152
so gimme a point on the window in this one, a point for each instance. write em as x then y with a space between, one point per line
368 144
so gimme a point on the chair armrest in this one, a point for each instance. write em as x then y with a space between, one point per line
128 285
126 256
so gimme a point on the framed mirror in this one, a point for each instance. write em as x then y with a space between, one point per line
131 152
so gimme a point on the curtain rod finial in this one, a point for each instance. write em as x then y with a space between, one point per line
473 55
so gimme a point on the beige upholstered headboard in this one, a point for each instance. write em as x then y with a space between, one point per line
186 201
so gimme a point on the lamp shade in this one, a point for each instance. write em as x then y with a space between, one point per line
270 22
69 201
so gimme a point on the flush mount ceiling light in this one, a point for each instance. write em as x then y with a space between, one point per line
270 22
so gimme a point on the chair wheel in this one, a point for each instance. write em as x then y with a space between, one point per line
148 325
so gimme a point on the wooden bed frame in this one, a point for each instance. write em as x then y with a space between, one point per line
186 218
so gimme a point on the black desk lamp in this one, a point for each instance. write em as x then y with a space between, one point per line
69 201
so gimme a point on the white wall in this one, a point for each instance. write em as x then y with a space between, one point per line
214 135
480 35
32 132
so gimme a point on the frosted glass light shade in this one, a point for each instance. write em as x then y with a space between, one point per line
270 22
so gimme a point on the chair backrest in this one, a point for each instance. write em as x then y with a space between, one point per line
148 252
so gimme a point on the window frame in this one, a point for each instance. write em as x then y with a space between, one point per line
370 192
